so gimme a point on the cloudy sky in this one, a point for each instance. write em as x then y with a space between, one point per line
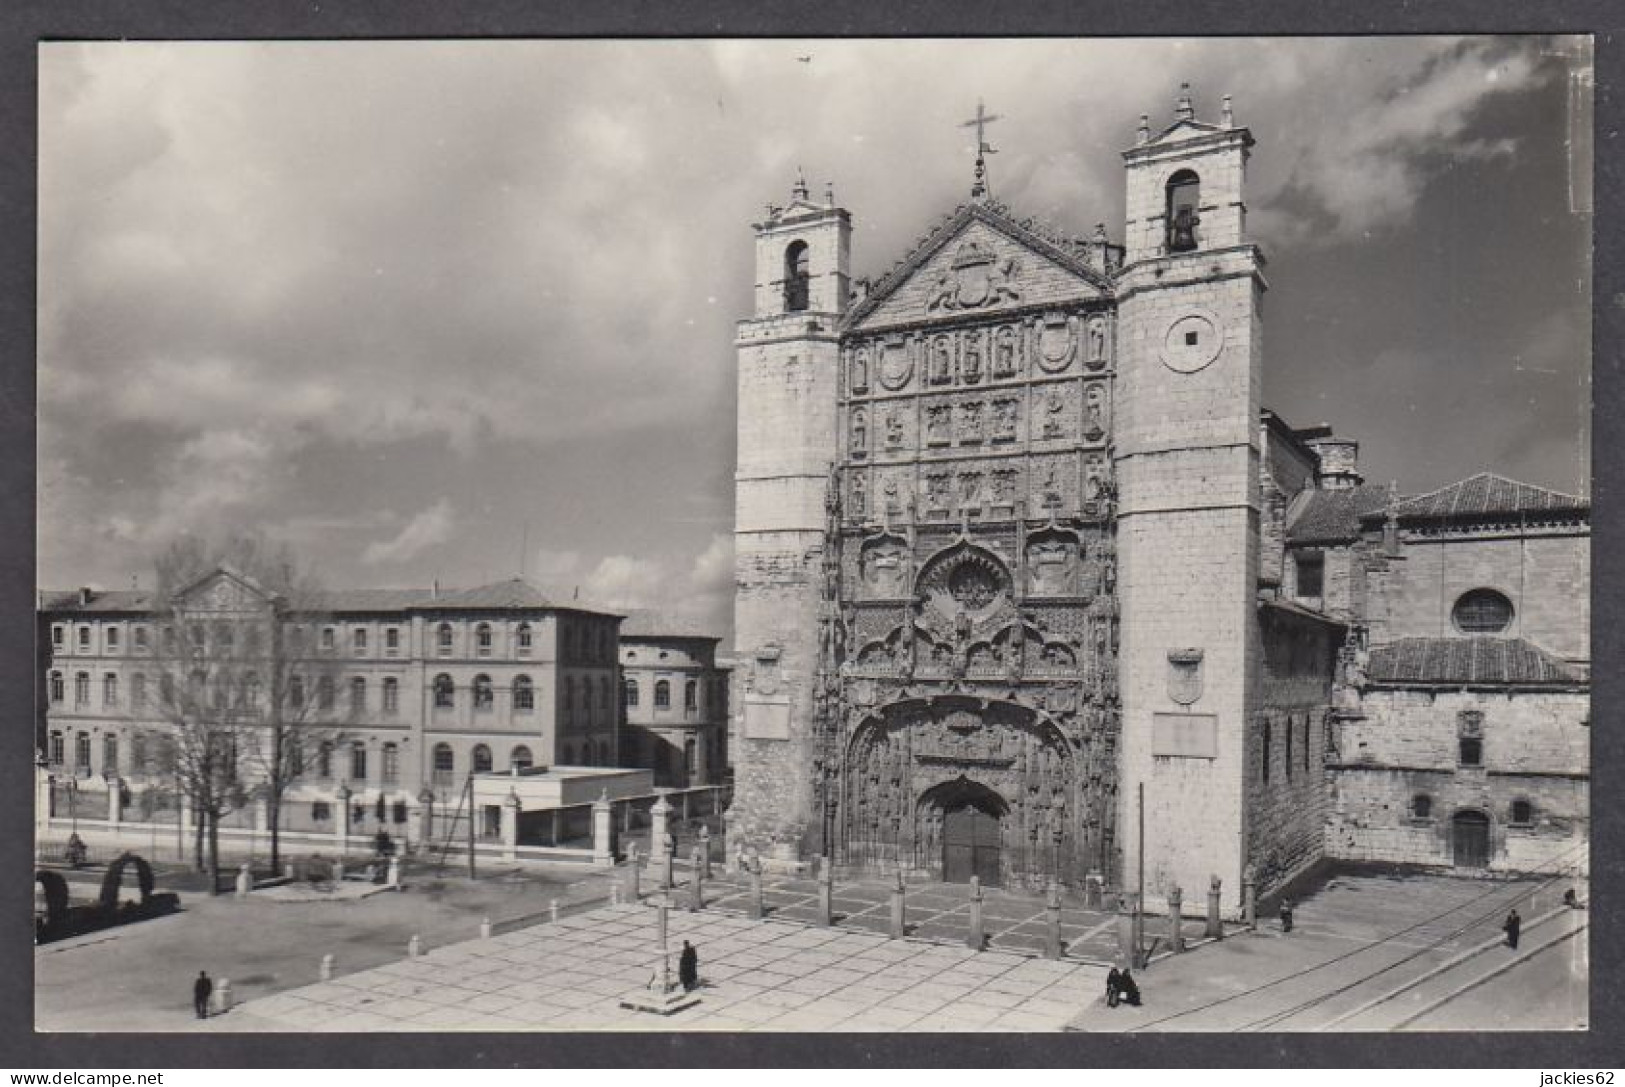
460 309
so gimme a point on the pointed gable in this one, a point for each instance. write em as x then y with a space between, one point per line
222 589
980 260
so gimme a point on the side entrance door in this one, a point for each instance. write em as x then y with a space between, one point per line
970 843
1470 839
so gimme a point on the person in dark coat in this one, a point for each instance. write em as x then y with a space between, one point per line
688 967
1131 991
1114 987
1286 915
1513 923
202 989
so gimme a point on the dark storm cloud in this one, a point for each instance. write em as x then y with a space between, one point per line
459 308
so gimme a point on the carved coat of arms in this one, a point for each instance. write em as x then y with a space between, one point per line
976 278
1184 675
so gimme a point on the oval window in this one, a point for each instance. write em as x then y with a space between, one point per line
1482 611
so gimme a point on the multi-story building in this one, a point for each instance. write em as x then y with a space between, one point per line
411 690
675 699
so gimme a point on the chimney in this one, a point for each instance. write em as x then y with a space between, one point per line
85 595
1339 462
434 590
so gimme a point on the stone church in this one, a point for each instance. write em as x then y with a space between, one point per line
1011 527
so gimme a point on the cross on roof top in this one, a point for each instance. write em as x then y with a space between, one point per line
980 123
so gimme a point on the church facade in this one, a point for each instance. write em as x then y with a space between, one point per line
1011 526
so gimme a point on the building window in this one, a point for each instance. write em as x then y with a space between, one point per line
56 749
81 689
1523 813
57 691
358 695
329 639
81 754
320 811
443 639
140 636
445 764
110 756
522 639
392 695
248 696
138 691
59 636
482 639
112 639
138 753
1421 806
1266 752
1471 751
392 640
358 761
1311 567
1184 200
482 759
169 639
1482 611
629 692
109 690
524 695
691 696
521 758
483 697
84 638
324 692
1288 759
1306 742
358 639
296 692
391 766
224 639
445 695
662 695
797 278
324 760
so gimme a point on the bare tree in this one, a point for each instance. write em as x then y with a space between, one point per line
249 678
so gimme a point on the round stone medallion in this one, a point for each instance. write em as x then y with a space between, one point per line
1192 342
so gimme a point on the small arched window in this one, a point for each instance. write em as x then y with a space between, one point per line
797 278
296 691
1523 813
392 695
522 639
1482 611
58 693
251 691
524 695
445 692
358 695
81 689
1421 806
324 692
482 759
662 695
442 636
629 692
483 697
1266 752
138 691
110 756
691 695
1184 199
482 639
445 764
521 758
391 765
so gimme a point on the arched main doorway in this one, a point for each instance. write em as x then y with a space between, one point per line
972 824
1470 839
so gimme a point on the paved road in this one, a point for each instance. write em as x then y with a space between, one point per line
1545 992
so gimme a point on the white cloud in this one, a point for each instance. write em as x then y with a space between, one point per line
430 527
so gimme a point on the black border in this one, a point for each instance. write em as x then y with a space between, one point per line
24 23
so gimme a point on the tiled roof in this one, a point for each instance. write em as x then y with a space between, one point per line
1487 495
513 593
1476 660
369 599
653 623
101 600
1333 516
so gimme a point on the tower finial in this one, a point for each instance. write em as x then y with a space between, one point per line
1184 111
979 189
1144 133
1229 117
800 191
829 194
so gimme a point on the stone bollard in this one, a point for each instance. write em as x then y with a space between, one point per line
899 910
338 871
632 894
1093 885
666 880
826 894
1249 895
288 871
414 947
245 881
394 877
326 972
705 851
222 996
1125 932
553 910
975 937
1176 920
758 908
1052 923
485 929
614 894
1215 927
696 883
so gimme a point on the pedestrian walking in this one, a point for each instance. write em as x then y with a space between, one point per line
1114 987
1130 990
1571 900
202 989
688 967
1286 915
1513 923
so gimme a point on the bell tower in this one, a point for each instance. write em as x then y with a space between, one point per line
788 354
1187 460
